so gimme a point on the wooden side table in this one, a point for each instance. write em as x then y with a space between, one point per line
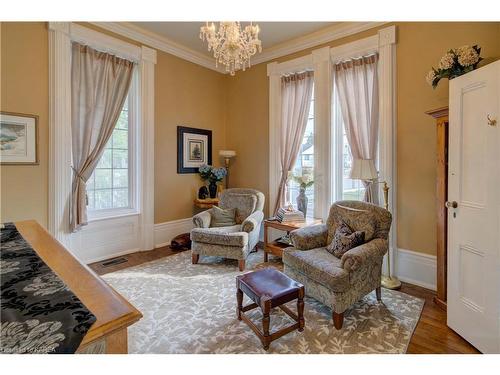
206 203
275 247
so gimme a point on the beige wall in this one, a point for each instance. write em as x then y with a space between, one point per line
188 95
185 94
24 89
420 45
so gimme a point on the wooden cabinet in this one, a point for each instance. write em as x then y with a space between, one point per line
441 116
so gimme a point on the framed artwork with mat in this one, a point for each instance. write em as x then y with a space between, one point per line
194 148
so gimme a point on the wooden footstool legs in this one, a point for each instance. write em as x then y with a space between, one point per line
266 306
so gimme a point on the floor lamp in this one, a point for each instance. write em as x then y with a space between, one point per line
227 155
364 169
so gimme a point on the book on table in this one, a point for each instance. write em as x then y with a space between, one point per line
286 215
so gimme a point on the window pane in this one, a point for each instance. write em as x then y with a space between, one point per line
90 182
103 178
120 158
105 161
108 186
122 121
90 198
103 199
120 139
120 198
120 178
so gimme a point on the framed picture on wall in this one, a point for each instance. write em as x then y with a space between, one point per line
18 138
194 148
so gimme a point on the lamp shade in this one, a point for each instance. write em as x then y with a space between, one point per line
363 169
227 153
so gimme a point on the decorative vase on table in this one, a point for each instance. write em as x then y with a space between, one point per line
212 188
213 175
302 201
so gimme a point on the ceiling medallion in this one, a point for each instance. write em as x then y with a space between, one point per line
232 46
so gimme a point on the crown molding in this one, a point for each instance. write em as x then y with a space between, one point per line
314 39
154 40
161 43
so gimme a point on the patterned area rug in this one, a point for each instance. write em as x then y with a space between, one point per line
192 309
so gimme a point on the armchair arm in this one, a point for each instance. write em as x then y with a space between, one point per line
356 257
309 237
202 220
252 221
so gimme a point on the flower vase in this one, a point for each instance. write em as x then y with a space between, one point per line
302 201
212 189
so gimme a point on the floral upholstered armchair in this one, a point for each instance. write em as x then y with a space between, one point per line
340 282
235 241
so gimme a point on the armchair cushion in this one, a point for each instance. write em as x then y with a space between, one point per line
203 219
318 265
253 221
222 218
243 203
345 239
309 237
228 236
356 257
362 220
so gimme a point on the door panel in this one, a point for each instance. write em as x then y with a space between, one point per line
474 226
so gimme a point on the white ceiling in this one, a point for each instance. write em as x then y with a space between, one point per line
271 34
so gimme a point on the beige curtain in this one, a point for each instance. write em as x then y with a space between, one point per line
357 84
99 87
296 91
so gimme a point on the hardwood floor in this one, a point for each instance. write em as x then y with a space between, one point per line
431 335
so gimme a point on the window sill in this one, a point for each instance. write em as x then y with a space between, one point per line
111 214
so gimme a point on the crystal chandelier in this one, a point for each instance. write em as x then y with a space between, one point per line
232 46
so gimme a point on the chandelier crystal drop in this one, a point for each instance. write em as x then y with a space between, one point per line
232 46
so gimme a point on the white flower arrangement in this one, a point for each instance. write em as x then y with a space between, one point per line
455 63
304 180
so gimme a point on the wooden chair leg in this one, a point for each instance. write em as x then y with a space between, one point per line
195 258
266 319
300 309
241 265
239 299
338 320
378 291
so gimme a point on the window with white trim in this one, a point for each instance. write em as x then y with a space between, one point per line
111 188
345 188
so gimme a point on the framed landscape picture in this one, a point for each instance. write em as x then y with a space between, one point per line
194 148
18 138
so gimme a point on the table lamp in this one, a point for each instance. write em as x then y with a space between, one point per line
364 169
227 155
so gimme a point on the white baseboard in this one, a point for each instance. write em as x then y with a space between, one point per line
165 232
416 268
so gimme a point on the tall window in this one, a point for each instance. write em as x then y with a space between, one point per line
109 187
305 163
344 187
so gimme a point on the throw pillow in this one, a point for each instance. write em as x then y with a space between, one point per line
344 240
222 218
362 220
244 203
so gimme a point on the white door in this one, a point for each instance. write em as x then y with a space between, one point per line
474 225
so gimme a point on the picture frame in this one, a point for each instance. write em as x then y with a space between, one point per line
18 139
194 148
